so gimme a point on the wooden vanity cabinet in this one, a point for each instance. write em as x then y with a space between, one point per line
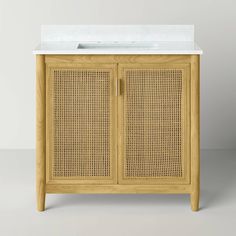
117 124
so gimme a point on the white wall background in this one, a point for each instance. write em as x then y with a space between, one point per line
215 22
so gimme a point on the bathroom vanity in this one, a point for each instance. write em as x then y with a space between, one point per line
117 110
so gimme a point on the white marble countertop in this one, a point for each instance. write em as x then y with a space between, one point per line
169 39
162 48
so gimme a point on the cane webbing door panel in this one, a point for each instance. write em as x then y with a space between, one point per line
154 124
81 123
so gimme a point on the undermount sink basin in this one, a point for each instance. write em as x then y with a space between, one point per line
117 45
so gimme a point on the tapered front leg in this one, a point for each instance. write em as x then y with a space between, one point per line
40 132
194 198
195 132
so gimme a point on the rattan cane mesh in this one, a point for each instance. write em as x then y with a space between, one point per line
81 121
153 123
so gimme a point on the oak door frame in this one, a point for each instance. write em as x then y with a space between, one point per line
113 129
186 68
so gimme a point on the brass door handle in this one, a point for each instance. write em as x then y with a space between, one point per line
118 87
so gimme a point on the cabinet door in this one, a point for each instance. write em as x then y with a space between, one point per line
81 123
154 124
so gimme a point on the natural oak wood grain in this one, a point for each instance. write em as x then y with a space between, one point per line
65 101
118 59
46 183
40 132
139 189
195 132
123 69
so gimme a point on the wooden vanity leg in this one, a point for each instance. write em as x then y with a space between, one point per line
195 132
40 132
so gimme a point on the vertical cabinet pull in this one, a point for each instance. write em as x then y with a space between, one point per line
117 87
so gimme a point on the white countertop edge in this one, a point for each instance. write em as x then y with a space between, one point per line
102 52
163 48
71 48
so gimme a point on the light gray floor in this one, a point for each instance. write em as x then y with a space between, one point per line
117 214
